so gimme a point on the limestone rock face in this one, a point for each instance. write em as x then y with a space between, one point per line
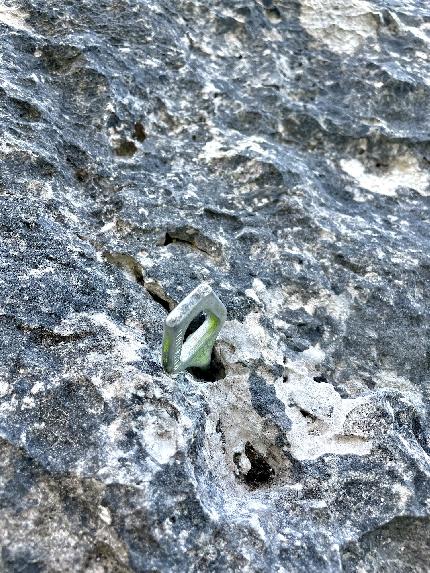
278 150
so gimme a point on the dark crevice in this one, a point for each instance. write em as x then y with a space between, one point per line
261 472
135 271
50 338
195 239
307 414
167 240
127 263
26 110
419 433
215 371
285 375
139 132
158 299
219 430
354 267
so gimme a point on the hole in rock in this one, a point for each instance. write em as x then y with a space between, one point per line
193 238
320 379
273 14
215 371
126 148
261 472
82 175
139 132
167 240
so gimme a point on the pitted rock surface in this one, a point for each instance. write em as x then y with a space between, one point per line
280 151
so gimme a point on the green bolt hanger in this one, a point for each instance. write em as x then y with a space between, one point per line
196 350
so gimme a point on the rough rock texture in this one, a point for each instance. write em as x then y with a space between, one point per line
280 151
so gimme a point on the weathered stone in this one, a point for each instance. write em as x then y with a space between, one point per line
280 152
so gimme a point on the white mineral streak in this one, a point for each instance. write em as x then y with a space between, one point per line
421 32
231 409
220 146
403 172
162 437
389 380
337 305
39 272
250 340
341 26
127 346
4 388
13 17
317 411
105 514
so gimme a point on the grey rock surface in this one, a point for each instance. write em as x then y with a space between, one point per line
280 151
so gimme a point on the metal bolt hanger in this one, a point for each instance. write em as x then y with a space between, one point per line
196 350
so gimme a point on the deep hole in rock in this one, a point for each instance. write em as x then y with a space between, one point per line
167 240
82 175
261 472
170 238
320 379
193 238
215 371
